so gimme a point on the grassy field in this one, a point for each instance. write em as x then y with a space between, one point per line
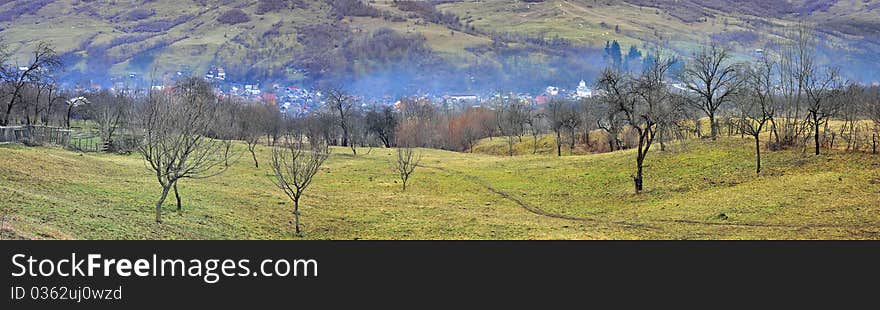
698 190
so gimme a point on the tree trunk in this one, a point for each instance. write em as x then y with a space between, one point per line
713 126
177 196
534 144
510 145
67 120
816 131
637 180
296 216
640 158
344 136
874 143
254 155
558 144
758 153
9 109
165 190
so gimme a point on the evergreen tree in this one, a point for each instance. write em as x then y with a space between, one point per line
614 53
633 58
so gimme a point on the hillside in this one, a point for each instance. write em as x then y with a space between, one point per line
700 190
315 39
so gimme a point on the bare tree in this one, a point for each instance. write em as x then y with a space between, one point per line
44 61
406 163
508 115
609 121
756 103
535 121
110 112
713 78
226 126
342 105
382 123
250 128
175 144
295 164
796 63
644 102
556 113
873 111
819 88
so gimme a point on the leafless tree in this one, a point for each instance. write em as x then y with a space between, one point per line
295 164
406 163
852 102
556 113
756 103
44 62
226 126
535 121
796 64
341 103
712 76
509 119
609 120
176 144
250 128
872 109
110 112
820 87
644 102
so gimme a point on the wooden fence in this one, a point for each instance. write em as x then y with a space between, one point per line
34 135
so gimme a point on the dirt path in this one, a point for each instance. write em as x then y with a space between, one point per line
538 211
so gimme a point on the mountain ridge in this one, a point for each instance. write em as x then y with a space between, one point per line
312 39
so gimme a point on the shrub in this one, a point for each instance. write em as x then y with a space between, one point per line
233 16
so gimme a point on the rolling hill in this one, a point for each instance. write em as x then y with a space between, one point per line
697 190
316 39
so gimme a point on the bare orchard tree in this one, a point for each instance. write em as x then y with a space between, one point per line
556 114
644 103
295 164
712 76
250 128
852 102
609 121
342 106
872 109
176 145
508 116
382 123
406 163
44 61
110 112
572 121
820 87
535 121
226 126
796 62
756 103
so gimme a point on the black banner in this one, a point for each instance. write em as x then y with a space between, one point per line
336 273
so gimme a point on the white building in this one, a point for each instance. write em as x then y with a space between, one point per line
583 91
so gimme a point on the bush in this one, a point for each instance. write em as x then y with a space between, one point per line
139 14
233 16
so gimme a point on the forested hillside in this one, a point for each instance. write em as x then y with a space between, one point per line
462 44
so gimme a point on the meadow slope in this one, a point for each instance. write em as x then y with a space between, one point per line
698 190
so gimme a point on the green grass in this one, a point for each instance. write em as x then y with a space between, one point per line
54 193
